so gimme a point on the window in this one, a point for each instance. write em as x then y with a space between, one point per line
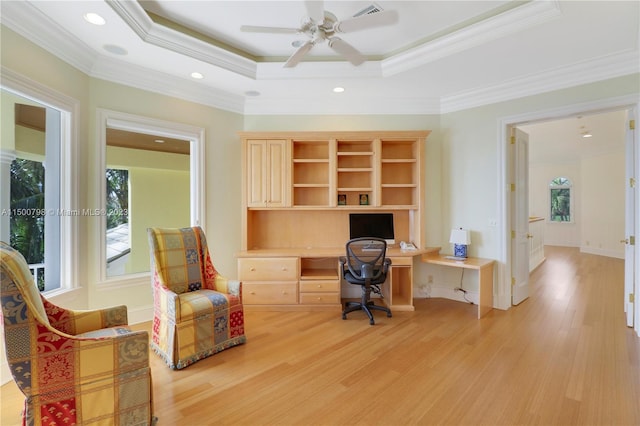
153 175
26 221
118 236
38 179
561 202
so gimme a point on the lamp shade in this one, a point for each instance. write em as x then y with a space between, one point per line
460 236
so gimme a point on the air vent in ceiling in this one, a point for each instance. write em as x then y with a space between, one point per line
372 8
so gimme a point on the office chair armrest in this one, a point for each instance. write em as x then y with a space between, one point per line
385 265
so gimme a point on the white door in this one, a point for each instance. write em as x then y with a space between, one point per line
630 222
520 245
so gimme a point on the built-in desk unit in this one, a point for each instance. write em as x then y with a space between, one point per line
297 193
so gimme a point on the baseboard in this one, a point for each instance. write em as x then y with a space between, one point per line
602 252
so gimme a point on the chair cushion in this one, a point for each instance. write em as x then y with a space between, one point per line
105 332
199 303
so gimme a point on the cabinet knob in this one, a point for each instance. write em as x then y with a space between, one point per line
252 269
252 292
284 292
319 285
319 298
284 268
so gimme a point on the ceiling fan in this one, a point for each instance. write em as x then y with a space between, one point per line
321 26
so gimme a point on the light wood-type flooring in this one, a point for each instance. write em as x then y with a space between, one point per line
562 357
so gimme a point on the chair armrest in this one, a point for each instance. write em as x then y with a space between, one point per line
225 285
164 298
385 265
75 322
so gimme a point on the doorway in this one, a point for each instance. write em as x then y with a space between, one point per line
572 117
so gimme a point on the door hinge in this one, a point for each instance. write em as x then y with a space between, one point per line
632 182
632 124
513 234
513 281
513 140
632 240
513 187
632 298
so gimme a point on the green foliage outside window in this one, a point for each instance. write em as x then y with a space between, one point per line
26 225
560 191
117 197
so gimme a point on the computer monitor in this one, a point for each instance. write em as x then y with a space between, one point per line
378 225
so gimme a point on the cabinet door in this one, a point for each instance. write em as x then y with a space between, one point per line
266 173
256 173
276 173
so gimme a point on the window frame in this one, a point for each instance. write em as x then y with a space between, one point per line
568 185
140 124
69 108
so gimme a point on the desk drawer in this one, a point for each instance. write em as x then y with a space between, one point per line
402 261
268 269
319 286
319 298
269 293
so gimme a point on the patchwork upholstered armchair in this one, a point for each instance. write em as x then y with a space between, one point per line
74 367
197 311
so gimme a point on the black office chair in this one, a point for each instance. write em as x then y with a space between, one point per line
367 266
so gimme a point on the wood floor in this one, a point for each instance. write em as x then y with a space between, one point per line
562 357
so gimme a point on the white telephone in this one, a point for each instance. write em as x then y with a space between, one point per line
407 246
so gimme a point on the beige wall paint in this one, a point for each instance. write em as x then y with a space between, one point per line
462 156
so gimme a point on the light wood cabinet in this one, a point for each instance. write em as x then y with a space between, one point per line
298 191
269 281
267 166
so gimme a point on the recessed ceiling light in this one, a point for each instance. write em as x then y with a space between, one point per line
338 89
94 18
252 93
116 50
197 75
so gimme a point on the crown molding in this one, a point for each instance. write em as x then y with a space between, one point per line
158 82
509 22
603 68
28 21
135 16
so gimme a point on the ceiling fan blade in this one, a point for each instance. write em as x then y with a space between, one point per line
275 30
378 19
345 49
298 54
315 10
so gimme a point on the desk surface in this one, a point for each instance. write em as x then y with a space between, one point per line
470 263
327 252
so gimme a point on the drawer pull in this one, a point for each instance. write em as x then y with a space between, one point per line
252 269
252 292
319 285
284 268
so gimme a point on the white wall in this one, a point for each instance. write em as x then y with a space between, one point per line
596 168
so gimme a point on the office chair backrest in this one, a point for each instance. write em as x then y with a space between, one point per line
365 257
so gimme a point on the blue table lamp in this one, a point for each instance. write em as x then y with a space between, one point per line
460 238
